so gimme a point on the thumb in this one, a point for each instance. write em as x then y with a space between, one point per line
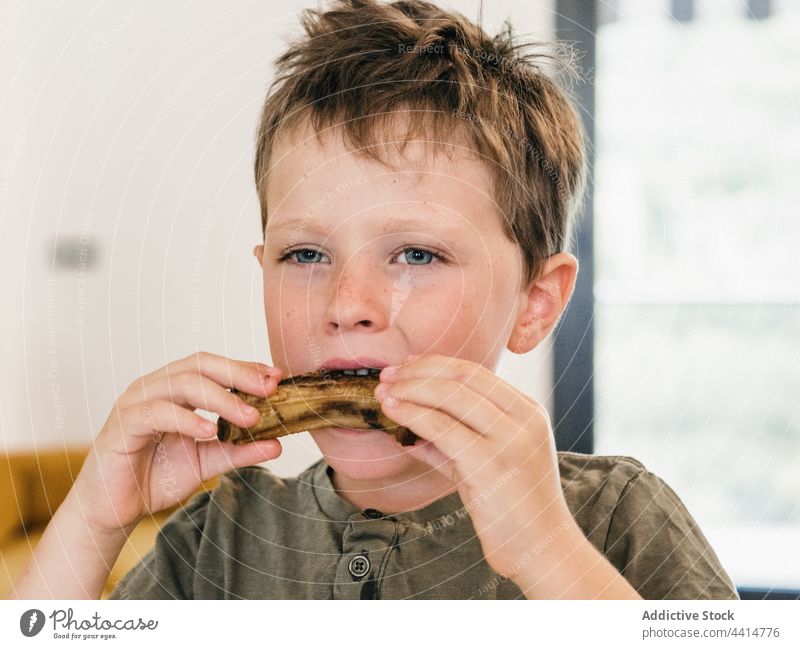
221 457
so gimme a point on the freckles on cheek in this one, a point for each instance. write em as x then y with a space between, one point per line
291 333
286 320
430 308
291 320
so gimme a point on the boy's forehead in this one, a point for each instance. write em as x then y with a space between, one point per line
304 164
312 154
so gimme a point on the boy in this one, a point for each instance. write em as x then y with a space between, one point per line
418 181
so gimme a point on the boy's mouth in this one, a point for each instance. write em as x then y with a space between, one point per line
361 371
356 364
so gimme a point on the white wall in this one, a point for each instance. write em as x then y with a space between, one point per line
129 131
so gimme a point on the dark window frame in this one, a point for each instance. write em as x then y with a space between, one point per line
573 342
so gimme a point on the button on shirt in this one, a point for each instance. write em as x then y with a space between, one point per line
259 536
359 565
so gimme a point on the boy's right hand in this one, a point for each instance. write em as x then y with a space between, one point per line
154 450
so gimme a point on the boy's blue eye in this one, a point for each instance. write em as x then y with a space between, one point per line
417 250
305 257
414 256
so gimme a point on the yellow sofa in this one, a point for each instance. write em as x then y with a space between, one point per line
32 486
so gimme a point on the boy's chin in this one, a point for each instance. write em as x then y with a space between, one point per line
364 454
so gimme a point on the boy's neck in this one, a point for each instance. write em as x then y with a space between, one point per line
386 496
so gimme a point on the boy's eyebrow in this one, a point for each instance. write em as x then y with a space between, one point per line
397 223
291 224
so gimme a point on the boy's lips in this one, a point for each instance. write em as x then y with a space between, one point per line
353 363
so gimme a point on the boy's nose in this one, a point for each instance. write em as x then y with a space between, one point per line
357 298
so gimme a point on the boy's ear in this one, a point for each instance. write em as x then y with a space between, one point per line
543 302
258 253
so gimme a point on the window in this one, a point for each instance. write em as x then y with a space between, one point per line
696 295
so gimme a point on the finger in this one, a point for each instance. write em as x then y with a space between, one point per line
218 457
458 400
451 437
153 418
249 376
197 391
479 378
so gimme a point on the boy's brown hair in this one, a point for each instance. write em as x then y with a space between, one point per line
363 63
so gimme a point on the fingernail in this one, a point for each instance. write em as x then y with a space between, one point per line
250 411
266 378
209 427
388 372
390 400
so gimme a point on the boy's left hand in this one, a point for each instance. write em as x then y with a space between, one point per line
495 443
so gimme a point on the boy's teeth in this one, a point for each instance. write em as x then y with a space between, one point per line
361 371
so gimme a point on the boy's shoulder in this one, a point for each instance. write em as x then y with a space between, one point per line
582 470
594 485
643 527
585 466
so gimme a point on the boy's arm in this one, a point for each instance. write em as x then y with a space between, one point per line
71 560
497 445
572 568
153 451
169 569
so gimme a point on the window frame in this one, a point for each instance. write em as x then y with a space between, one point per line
573 342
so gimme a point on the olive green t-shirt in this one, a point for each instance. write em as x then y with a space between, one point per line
259 536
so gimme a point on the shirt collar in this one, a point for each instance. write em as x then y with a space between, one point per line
338 509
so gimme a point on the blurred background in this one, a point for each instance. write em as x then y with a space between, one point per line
128 213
